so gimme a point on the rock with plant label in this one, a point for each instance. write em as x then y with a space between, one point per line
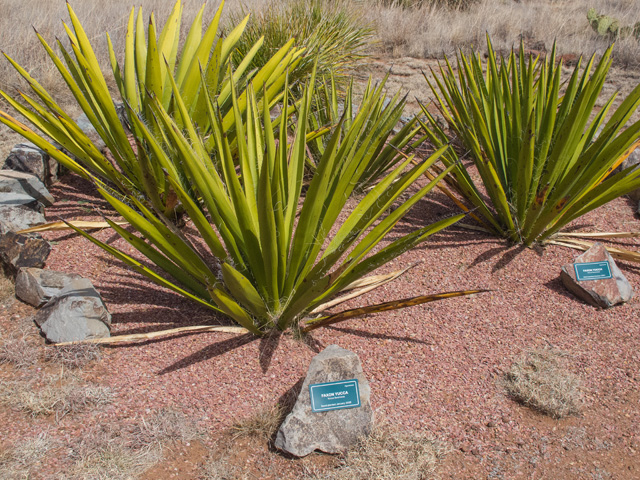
76 313
599 291
335 430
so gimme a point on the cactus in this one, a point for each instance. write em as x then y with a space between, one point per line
605 25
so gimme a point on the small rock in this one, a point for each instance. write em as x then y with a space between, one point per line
36 286
18 250
77 313
14 218
15 182
27 157
602 293
333 431
89 130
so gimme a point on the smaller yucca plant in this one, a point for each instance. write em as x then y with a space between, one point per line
331 33
545 154
385 145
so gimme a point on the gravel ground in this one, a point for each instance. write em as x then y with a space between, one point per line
434 368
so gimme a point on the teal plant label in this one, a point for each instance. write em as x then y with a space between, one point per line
334 395
592 271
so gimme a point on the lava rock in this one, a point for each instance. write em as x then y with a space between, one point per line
36 286
333 431
77 313
14 218
28 158
602 293
23 183
18 251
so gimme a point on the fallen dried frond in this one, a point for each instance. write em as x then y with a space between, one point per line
541 381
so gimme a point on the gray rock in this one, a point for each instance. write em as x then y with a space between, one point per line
89 130
77 313
23 183
602 293
333 431
14 218
36 286
28 158
18 251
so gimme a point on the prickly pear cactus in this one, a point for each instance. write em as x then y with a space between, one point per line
607 26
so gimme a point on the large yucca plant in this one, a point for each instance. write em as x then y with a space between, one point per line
152 59
545 154
276 260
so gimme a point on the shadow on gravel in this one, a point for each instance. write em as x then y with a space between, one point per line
381 336
210 351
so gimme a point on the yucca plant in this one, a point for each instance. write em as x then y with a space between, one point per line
332 34
276 259
545 154
151 61
386 146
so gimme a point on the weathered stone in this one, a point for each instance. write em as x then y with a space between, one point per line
76 313
27 157
333 431
603 293
14 218
23 183
36 286
18 251
89 130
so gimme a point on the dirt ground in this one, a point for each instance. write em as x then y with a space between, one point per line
434 369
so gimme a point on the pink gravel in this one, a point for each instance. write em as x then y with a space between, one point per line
433 368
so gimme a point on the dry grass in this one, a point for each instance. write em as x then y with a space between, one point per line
262 424
542 381
57 395
218 468
166 425
18 348
433 30
73 356
388 454
106 453
6 287
21 460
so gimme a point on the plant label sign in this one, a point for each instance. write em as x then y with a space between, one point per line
592 271
334 395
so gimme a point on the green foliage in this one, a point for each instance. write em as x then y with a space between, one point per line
607 26
541 161
275 258
151 62
391 147
330 32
